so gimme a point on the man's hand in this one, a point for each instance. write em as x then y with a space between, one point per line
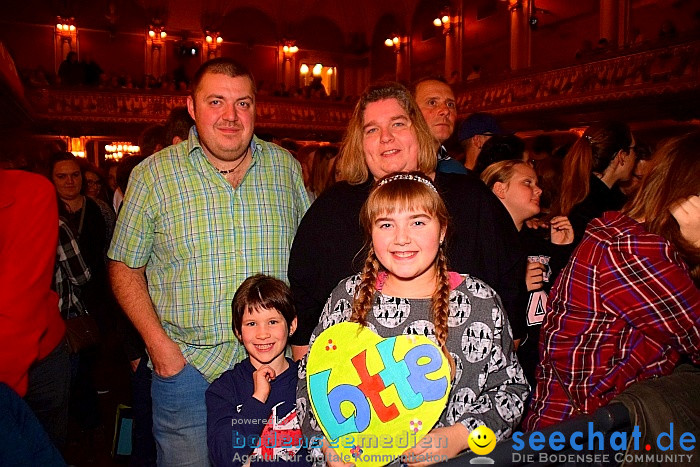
131 290
167 358
687 214
560 231
261 382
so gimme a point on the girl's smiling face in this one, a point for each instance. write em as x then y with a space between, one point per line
406 243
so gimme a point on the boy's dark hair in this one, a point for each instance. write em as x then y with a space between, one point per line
261 291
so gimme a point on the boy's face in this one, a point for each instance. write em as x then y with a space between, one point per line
264 335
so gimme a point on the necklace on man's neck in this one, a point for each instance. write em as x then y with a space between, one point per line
224 172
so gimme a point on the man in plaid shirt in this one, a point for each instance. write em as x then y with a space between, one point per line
198 218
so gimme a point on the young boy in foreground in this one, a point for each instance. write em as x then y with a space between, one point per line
251 411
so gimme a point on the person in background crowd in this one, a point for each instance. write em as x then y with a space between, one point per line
92 70
152 139
473 133
437 103
475 73
305 156
641 167
387 133
547 245
84 217
626 307
117 195
33 358
499 148
233 199
323 171
598 161
549 173
542 149
95 183
94 187
70 72
177 126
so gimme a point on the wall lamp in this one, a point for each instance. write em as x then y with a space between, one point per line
395 42
156 35
445 21
289 49
66 29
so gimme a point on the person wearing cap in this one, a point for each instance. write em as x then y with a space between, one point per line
474 131
437 103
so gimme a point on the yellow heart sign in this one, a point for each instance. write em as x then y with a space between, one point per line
374 398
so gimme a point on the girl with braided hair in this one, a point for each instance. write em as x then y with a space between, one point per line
405 287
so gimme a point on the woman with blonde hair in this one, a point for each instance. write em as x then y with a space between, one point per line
357 161
547 245
626 307
601 158
387 134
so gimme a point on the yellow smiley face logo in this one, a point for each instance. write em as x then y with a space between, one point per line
482 440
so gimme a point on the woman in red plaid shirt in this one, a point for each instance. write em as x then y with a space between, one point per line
627 305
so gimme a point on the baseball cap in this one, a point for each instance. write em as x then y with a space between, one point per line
479 124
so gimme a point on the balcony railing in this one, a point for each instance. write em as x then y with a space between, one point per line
136 106
668 70
662 72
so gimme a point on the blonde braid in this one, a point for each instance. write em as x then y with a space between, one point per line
365 291
440 309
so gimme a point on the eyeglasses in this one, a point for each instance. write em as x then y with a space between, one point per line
94 183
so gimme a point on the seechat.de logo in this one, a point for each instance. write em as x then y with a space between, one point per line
592 446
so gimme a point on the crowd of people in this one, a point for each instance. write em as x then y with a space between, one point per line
216 258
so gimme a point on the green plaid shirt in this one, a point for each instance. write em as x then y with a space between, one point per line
199 238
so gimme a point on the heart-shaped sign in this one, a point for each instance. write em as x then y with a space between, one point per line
374 398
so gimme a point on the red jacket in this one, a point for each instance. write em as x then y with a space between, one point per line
30 325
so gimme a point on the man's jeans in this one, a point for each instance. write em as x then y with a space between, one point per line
180 418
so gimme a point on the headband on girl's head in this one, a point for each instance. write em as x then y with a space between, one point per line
413 178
